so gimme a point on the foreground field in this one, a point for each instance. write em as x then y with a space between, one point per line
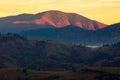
91 73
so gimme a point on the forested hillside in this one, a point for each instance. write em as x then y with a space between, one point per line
17 51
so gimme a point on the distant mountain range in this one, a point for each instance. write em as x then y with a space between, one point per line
56 19
63 27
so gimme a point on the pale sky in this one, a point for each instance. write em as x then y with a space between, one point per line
106 11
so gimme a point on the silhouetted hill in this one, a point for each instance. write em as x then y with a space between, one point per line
110 34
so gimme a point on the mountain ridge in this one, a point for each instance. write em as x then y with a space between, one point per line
60 19
57 19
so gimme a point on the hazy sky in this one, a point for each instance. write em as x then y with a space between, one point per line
106 11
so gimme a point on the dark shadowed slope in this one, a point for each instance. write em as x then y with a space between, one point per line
75 35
